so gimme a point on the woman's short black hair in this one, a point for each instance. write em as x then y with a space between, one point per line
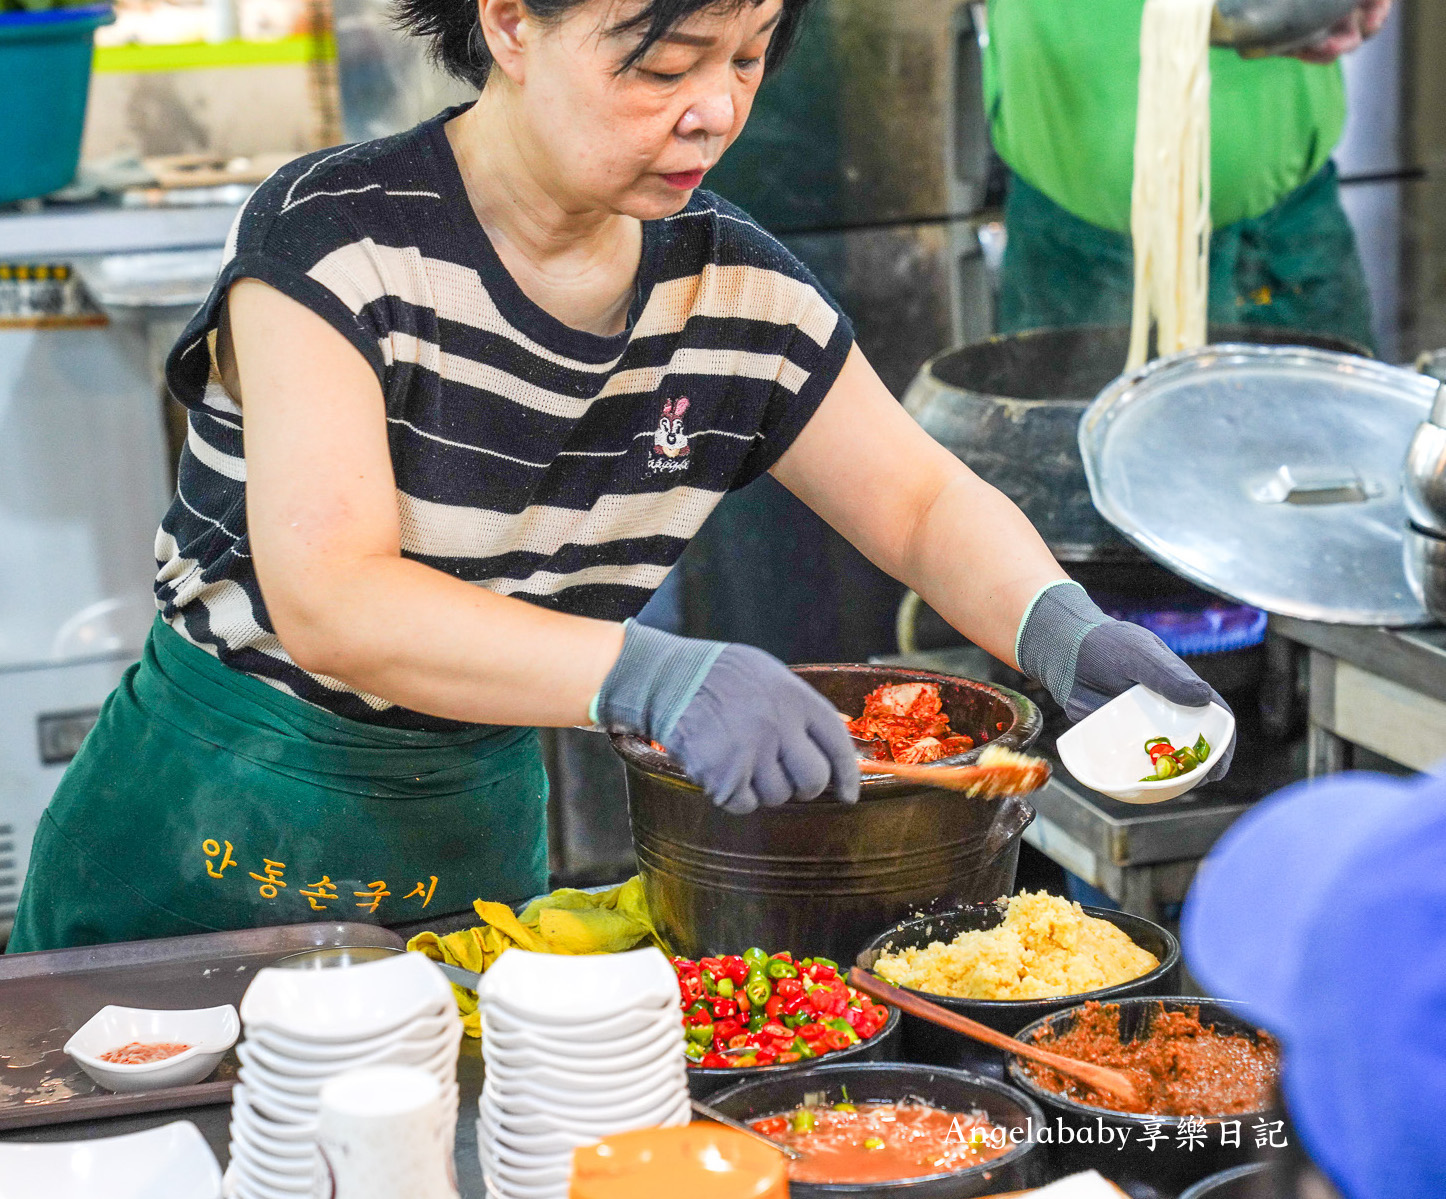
459 48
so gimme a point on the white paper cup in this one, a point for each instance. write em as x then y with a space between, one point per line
386 1132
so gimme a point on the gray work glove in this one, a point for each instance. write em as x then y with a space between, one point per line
1085 658
744 727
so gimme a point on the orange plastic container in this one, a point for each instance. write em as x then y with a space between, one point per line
700 1161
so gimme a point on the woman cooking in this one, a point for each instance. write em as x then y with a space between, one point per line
457 402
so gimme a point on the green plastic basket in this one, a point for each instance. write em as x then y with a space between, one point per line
44 82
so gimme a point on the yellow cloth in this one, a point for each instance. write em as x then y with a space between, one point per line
567 921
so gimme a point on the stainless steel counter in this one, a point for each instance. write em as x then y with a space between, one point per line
1380 689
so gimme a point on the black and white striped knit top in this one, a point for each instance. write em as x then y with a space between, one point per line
560 467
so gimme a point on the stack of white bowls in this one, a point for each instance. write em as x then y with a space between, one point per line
576 1049
304 1027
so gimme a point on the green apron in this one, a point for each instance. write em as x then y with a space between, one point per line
205 799
1296 267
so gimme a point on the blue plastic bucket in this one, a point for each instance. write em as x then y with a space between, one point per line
44 83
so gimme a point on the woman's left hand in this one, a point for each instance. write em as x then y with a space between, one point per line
1351 32
1085 658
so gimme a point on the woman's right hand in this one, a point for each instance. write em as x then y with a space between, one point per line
745 728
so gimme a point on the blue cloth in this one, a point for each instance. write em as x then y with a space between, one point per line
1324 911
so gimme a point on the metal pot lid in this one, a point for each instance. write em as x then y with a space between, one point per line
1271 475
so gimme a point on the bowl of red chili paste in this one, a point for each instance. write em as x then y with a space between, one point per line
890 1129
1208 1078
821 874
753 1013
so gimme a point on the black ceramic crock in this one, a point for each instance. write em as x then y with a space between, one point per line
814 877
925 1042
1175 1161
950 1090
883 1046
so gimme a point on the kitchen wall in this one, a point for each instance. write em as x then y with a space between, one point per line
227 111
1423 251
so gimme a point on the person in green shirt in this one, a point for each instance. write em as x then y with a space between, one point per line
1061 82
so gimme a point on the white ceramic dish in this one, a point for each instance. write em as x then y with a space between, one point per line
549 1174
524 1184
169 1162
247 1184
287 1107
281 1174
308 1076
502 1191
497 1020
549 988
259 1068
234 1187
1106 750
208 1031
426 1029
602 1050
517 1113
521 1088
532 1055
541 1144
351 1004
269 1147
244 1110
279 1107
548 1087
520 1133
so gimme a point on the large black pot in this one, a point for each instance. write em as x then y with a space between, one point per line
1010 408
926 1042
1171 1165
814 878
883 1046
951 1090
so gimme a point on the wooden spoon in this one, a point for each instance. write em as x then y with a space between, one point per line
1020 775
1101 1078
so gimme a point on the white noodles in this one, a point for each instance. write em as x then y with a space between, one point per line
1170 206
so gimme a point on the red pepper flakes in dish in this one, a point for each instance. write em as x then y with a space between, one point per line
142 1053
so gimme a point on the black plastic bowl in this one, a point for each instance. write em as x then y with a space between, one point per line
883 1046
925 1042
951 1090
1170 1165
1243 1182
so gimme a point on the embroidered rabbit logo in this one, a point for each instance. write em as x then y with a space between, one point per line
669 440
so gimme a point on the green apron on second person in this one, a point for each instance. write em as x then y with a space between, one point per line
205 799
1295 267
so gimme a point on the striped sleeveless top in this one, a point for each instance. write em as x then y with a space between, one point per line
560 467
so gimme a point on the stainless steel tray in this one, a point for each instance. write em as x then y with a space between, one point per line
44 997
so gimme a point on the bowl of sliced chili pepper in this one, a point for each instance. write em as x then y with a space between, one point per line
750 1013
1142 748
